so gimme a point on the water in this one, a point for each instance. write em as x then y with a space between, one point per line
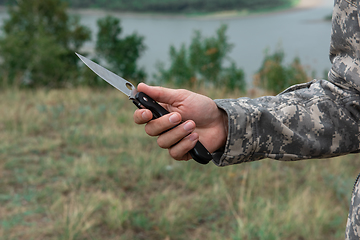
301 33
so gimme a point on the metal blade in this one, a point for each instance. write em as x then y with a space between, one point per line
116 81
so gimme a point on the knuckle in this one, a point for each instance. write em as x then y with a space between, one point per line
155 127
137 117
176 154
149 129
161 143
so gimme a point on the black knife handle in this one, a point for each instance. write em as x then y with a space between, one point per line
199 153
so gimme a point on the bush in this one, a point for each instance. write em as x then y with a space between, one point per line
120 53
40 40
38 45
274 77
203 62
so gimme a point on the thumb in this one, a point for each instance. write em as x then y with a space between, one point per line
159 94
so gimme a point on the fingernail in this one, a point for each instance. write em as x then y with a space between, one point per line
189 126
175 118
144 116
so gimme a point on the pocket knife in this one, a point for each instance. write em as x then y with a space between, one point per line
199 153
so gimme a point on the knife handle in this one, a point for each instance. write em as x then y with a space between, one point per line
199 153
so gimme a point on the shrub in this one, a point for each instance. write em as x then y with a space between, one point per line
203 62
38 45
274 77
121 54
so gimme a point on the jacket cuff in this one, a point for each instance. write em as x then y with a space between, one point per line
240 140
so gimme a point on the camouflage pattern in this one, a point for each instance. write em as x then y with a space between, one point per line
319 119
313 120
353 222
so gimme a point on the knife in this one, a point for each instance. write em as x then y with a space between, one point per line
199 153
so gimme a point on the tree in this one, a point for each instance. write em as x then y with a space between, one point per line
274 77
203 62
39 44
121 54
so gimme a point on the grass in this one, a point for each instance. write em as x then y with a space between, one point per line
73 166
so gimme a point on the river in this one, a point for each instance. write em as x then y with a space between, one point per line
300 33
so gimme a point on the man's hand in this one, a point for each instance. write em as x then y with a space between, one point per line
202 120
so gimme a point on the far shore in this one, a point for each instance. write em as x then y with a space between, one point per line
303 4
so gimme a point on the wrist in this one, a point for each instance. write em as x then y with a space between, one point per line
225 127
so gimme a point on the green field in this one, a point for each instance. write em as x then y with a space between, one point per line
73 165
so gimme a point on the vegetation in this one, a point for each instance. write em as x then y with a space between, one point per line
121 54
179 6
274 77
203 62
39 44
74 166
328 17
40 40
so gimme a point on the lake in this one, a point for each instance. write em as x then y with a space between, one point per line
300 33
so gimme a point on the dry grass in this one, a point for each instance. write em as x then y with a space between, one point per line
74 166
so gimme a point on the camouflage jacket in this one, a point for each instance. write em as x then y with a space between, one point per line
317 119
312 120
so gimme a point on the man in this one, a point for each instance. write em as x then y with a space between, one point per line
319 119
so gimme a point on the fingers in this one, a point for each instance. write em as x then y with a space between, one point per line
142 116
172 137
179 140
162 124
159 94
181 149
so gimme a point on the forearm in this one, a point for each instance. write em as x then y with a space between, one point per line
314 120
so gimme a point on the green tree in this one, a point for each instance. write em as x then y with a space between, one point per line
121 54
38 44
204 62
274 77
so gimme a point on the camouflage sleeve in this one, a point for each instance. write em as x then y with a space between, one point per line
312 120
353 221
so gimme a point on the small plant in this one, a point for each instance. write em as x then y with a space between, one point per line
120 53
274 77
203 62
38 44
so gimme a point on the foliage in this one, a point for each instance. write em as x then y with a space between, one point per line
73 167
39 42
120 53
274 77
328 17
179 6
203 62
7 2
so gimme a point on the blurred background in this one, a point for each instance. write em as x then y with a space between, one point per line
302 33
73 165
254 31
